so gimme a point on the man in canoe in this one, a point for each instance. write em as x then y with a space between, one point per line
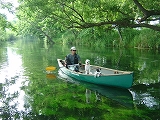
73 58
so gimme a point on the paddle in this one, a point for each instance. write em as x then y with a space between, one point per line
50 68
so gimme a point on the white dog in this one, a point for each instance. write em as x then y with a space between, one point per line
87 66
97 73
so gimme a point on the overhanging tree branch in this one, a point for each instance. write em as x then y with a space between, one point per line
153 27
80 16
146 12
122 23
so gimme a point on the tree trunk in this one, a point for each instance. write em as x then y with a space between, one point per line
49 39
120 35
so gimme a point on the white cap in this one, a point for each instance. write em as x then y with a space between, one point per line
73 48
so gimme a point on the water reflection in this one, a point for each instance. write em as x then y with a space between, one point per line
147 95
11 73
50 76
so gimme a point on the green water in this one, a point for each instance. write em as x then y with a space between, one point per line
27 92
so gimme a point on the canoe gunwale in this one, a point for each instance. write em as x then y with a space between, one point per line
127 72
95 67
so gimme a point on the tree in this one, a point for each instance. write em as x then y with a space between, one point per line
85 14
4 23
49 16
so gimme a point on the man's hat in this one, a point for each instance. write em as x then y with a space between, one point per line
73 48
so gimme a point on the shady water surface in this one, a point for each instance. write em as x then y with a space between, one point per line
28 92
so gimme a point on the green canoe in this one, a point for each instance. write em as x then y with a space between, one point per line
108 77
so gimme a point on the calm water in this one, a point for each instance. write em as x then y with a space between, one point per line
27 92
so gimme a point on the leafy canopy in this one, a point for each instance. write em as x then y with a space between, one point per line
48 16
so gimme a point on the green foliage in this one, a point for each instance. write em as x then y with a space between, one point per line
6 5
68 37
3 22
86 36
10 36
128 36
99 37
79 12
2 35
147 39
7 36
99 23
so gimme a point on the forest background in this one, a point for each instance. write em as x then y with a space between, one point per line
103 23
